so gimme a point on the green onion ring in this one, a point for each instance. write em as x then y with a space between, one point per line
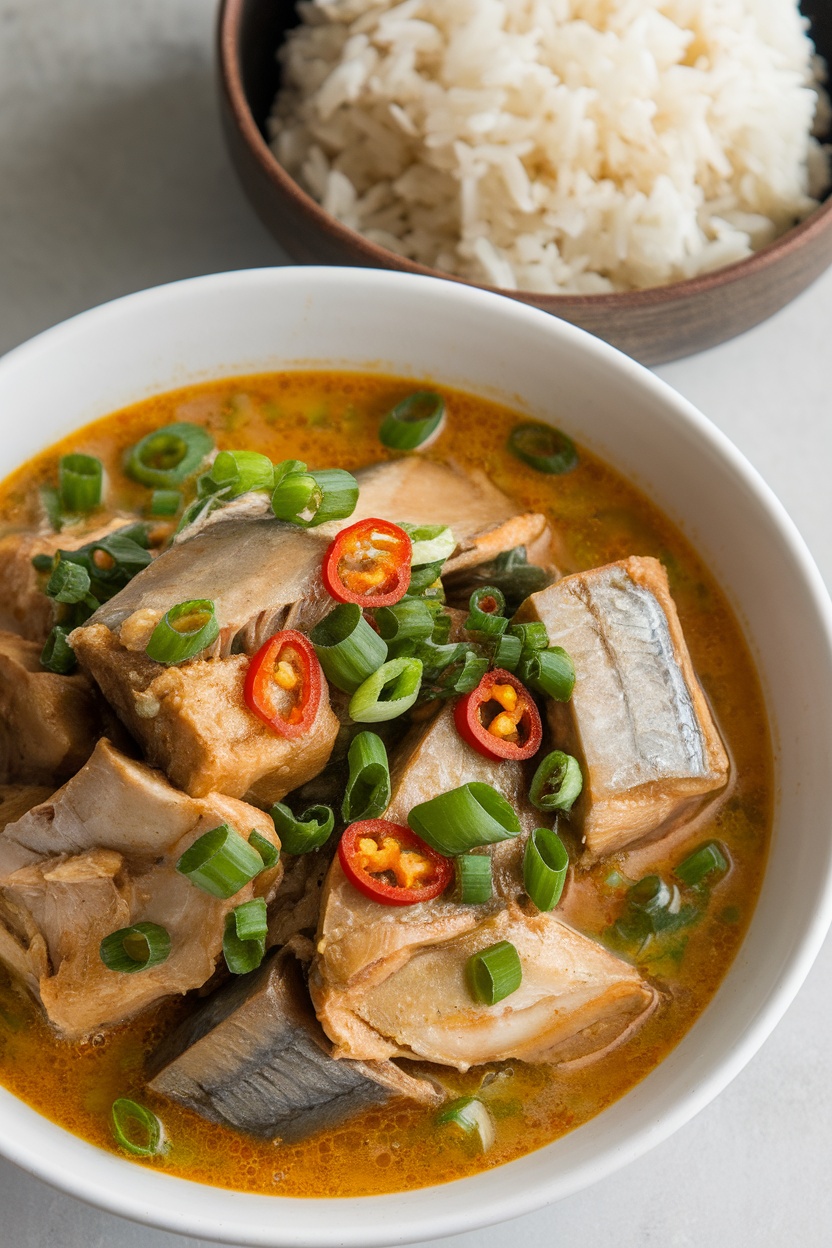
471 1116
707 860
126 1114
507 652
486 608
348 648
532 636
239 472
220 862
303 833
165 502
432 543
388 693
244 938
57 654
80 482
267 851
557 783
411 619
473 879
135 948
494 973
415 421
543 447
367 794
167 457
169 644
545 864
312 498
549 671
464 818
69 582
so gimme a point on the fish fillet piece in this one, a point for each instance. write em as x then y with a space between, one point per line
48 724
100 855
638 717
24 608
254 1058
260 574
575 1000
192 721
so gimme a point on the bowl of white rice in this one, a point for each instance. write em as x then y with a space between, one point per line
656 171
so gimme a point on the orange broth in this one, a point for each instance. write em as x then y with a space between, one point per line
331 420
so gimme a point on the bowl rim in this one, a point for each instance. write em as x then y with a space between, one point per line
778 251
150 1197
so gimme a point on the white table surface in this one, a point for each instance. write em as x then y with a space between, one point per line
113 178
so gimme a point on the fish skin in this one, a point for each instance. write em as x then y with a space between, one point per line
638 719
254 1058
98 856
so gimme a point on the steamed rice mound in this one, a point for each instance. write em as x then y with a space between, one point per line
556 146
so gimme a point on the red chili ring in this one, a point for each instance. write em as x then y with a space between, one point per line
468 717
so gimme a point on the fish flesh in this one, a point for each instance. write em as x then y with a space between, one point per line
638 718
254 1058
192 721
49 724
100 855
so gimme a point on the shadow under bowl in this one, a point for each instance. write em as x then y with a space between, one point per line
654 325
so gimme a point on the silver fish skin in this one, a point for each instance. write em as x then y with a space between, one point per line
638 718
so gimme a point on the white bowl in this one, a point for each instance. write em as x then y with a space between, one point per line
391 322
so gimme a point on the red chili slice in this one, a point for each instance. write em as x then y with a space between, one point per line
375 851
500 718
369 564
283 684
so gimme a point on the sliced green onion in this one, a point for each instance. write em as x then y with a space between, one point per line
543 447
220 862
557 782
549 671
388 693
413 422
57 655
494 973
409 620
69 582
532 637
244 938
80 481
474 814
43 563
507 652
113 561
165 502
432 543
239 472
348 648
287 467
545 863
424 578
51 503
198 510
135 948
264 847
653 908
486 609
302 834
461 673
441 623
136 1129
473 879
167 457
472 1117
511 572
184 631
368 788
708 860
312 498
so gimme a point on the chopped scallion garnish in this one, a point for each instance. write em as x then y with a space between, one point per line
409 620
80 482
368 788
710 859
312 498
69 582
388 693
303 833
183 632
136 1129
57 655
545 864
543 447
348 648
268 852
507 652
244 938
471 1116
167 457
549 671
532 636
135 948
557 783
464 818
165 502
238 472
432 543
473 879
494 973
415 421
220 862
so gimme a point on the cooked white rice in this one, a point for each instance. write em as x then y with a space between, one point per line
558 146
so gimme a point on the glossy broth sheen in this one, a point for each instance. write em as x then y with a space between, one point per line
330 420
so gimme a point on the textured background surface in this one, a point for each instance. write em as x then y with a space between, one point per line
113 178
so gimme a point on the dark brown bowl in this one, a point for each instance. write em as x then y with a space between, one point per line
653 325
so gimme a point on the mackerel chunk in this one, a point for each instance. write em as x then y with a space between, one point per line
638 718
49 724
98 856
254 1058
192 721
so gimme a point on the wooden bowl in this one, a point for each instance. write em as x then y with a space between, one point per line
653 325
